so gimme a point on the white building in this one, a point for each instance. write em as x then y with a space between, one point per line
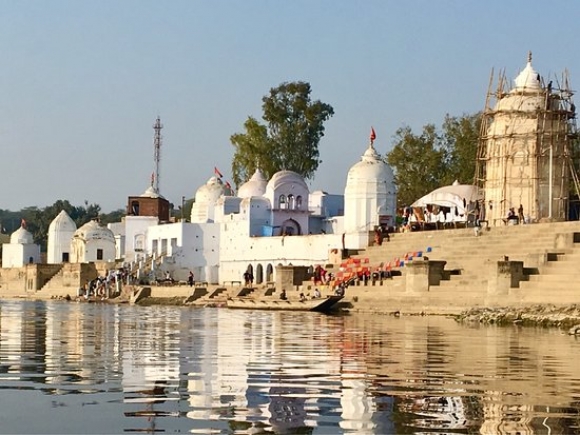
60 233
525 153
92 242
269 223
370 195
21 250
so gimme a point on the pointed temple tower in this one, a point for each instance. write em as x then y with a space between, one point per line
370 195
525 149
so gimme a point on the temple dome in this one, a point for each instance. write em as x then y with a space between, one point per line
21 237
62 223
211 191
528 78
282 178
93 231
527 94
151 192
370 167
255 186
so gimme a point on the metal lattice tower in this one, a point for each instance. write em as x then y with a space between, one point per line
157 152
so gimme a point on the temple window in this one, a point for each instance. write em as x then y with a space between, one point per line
291 202
135 208
299 202
282 201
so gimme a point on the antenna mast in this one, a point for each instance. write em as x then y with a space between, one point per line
157 151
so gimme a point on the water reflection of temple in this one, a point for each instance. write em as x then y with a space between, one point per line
291 374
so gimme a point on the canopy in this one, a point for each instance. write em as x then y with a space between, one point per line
451 196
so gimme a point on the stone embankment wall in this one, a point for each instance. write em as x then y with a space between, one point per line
48 280
458 269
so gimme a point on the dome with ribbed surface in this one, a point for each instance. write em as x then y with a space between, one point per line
282 178
93 231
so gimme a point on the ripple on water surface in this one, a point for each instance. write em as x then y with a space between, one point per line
99 368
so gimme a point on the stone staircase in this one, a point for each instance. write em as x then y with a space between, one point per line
550 253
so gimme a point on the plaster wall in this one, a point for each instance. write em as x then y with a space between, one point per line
18 255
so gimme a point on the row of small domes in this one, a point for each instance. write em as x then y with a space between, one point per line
63 223
371 167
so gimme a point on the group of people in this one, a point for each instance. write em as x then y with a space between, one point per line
321 276
439 217
104 286
302 297
248 278
381 234
512 218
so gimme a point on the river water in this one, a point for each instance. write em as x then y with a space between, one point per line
101 368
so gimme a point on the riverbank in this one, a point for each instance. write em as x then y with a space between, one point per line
549 315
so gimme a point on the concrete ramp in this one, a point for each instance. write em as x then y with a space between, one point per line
198 292
140 293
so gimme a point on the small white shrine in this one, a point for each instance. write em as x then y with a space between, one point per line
21 250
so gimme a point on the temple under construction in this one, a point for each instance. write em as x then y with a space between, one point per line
527 143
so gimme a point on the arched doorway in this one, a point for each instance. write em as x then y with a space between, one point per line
269 273
291 228
259 274
249 275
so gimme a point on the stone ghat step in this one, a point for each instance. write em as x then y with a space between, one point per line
570 277
464 283
552 286
470 235
540 228
558 267
539 296
477 244
521 247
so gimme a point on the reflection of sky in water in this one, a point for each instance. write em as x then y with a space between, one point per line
97 368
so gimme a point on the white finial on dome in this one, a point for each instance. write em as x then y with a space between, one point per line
528 79
370 154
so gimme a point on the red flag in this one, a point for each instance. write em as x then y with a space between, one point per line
217 172
373 134
23 223
228 185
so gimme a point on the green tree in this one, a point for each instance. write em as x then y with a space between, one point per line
418 163
253 149
294 125
460 140
111 217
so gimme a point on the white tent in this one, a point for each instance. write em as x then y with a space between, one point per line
451 196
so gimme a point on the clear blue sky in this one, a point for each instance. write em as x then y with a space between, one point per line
81 82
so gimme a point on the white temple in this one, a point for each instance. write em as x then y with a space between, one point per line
525 150
92 242
268 223
21 250
60 233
